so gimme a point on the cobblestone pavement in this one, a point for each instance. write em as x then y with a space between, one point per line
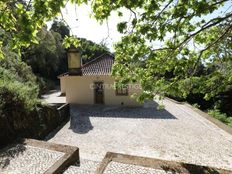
85 167
121 168
89 167
77 170
176 133
22 159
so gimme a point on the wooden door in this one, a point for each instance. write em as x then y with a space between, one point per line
99 93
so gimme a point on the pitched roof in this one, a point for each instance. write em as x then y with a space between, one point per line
101 65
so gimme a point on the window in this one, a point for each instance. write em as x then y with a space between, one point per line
122 90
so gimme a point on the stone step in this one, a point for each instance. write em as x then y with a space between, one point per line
77 170
122 168
85 166
30 156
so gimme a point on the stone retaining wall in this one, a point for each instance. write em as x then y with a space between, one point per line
34 124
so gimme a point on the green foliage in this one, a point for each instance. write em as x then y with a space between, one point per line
91 50
220 116
23 19
195 105
48 56
18 97
18 81
71 41
122 27
193 55
14 92
21 112
160 107
187 39
60 27
1 51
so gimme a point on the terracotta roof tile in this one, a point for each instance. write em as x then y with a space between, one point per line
101 65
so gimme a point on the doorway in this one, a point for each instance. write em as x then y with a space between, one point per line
99 93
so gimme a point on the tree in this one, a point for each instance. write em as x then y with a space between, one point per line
186 39
23 21
91 50
60 27
47 57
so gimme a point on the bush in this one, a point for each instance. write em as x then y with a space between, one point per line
16 78
16 110
18 98
45 85
21 116
21 112
220 116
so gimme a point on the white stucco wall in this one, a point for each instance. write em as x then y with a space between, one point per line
79 90
63 85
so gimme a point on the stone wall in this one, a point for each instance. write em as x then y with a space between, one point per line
33 124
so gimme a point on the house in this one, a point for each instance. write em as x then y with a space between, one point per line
92 82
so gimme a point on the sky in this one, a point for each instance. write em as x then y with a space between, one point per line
85 26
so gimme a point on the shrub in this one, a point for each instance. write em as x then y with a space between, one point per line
45 85
18 98
21 112
220 116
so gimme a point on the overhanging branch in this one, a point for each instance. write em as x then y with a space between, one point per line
204 27
209 46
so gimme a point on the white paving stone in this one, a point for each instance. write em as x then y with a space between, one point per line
77 170
85 167
23 159
121 168
178 133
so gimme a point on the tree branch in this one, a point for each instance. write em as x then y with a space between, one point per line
219 2
159 14
28 5
135 15
210 45
204 27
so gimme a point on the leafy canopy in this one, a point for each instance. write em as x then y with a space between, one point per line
47 57
16 78
170 46
173 47
23 19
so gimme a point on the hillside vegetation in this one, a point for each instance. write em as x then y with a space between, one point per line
24 78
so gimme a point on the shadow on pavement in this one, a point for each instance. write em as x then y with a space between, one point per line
9 153
81 114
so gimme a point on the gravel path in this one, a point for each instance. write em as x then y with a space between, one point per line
176 133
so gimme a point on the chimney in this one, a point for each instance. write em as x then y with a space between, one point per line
74 61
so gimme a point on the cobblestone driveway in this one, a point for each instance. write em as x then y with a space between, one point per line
177 133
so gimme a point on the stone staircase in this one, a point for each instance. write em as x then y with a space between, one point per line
85 166
39 157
